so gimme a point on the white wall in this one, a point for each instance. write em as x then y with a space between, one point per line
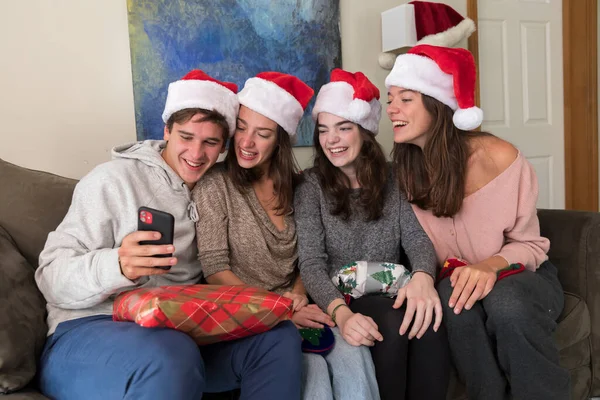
65 78
66 91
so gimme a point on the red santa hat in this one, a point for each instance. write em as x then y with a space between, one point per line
439 24
278 96
350 96
426 22
199 90
446 74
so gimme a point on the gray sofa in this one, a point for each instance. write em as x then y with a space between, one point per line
32 203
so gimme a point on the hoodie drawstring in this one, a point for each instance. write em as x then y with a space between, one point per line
193 211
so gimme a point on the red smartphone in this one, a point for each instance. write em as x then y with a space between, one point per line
150 219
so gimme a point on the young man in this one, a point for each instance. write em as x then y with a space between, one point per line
95 253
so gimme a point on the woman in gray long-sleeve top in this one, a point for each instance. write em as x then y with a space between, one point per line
246 232
349 209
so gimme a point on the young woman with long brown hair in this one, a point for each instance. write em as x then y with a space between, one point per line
246 232
475 195
349 209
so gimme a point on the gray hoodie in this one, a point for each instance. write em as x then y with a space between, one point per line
79 273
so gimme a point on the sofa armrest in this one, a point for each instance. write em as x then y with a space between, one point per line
575 250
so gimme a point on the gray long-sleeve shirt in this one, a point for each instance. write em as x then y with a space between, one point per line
326 242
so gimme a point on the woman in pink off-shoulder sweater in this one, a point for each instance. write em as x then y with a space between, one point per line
475 196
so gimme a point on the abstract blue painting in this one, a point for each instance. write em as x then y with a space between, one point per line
231 40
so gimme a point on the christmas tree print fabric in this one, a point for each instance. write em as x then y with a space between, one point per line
317 340
371 278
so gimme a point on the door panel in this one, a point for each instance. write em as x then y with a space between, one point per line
521 82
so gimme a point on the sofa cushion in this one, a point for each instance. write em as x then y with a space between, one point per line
573 337
575 250
22 318
573 327
32 203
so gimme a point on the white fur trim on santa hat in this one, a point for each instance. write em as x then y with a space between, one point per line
192 93
272 101
337 98
468 119
423 75
450 37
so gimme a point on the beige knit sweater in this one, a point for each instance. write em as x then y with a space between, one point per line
235 233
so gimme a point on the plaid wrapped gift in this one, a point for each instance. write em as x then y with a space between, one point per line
208 313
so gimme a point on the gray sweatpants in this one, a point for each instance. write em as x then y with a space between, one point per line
504 347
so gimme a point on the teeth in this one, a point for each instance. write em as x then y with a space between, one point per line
399 123
191 164
247 154
338 149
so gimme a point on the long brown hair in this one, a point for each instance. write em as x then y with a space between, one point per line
434 177
371 173
283 170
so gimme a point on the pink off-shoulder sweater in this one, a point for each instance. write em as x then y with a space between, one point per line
498 219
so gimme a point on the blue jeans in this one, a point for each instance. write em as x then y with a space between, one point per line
96 358
346 373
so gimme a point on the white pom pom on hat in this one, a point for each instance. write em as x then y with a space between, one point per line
468 119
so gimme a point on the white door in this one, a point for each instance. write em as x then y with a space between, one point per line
521 81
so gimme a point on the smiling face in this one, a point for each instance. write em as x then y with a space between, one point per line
193 147
255 139
340 140
410 119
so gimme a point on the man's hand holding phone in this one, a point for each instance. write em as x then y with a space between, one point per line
137 260
149 250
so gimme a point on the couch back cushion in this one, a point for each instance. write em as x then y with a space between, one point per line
32 204
575 250
22 318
